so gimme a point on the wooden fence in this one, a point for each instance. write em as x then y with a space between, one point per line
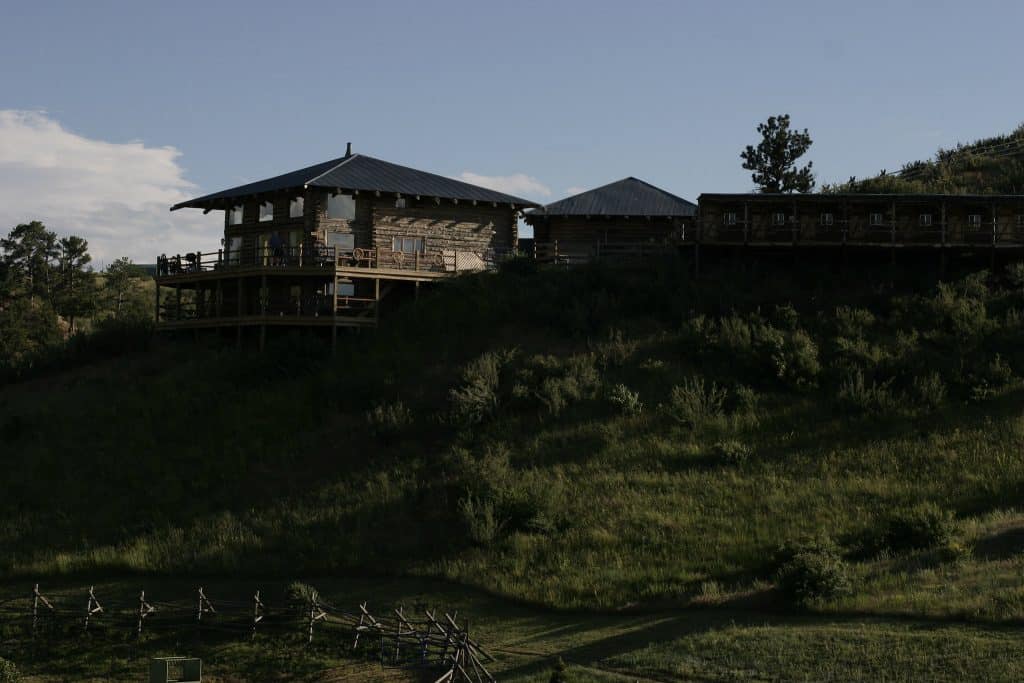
427 639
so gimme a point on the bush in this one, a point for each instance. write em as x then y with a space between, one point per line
625 401
615 351
731 451
388 420
479 520
929 391
811 571
922 527
559 672
477 397
853 323
299 593
557 384
877 399
8 672
693 403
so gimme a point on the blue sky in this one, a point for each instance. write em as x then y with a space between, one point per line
565 94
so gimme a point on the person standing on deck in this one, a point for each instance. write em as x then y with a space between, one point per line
276 248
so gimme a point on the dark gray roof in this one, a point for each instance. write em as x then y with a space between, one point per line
363 173
626 197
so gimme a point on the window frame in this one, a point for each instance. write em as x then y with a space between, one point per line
925 220
778 219
338 197
265 218
827 219
729 218
301 204
974 220
419 244
236 210
880 223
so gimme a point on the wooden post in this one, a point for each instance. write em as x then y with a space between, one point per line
312 616
376 301
238 319
91 607
256 616
264 302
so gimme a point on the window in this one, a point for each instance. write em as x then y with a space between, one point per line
778 218
1020 220
235 215
341 206
827 219
266 211
346 288
729 219
401 203
407 245
974 220
877 220
296 207
925 220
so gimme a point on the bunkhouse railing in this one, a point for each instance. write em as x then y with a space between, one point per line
583 252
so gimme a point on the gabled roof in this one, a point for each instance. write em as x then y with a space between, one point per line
363 173
626 197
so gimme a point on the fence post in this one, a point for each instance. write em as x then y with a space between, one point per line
91 607
257 605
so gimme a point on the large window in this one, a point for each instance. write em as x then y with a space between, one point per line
235 215
407 245
266 211
341 206
296 207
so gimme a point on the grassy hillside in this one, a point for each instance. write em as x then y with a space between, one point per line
987 166
582 438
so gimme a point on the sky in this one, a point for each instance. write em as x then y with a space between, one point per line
112 111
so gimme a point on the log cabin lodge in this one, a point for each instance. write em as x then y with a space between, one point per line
327 246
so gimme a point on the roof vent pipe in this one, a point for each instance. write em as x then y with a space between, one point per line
348 150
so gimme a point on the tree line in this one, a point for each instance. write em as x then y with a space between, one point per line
52 301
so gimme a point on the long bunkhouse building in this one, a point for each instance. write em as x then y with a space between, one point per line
862 220
626 218
325 245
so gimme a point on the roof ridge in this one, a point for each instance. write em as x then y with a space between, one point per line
344 160
663 191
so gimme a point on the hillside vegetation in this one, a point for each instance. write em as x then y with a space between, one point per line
989 166
586 438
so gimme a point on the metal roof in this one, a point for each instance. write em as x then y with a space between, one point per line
626 197
363 173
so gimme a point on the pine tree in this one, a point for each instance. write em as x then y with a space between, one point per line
30 251
773 161
76 292
122 293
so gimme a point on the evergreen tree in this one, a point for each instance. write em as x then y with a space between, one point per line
773 161
29 253
76 293
123 295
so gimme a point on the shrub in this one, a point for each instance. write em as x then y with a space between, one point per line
559 672
694 403
477 397
811 571
731 451
745 399
8 672
625 401
479 520
299 593
853 323
857 394
929 391
388 420
796 360
559 384
922 527
614 351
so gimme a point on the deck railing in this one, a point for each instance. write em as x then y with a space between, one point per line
440 261
299 256
584 252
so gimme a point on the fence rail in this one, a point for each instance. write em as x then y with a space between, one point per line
422 638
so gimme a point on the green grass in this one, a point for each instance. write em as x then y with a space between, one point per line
706 645
530 483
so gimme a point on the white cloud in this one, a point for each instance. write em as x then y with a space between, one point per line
518 184
574 190
116 195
